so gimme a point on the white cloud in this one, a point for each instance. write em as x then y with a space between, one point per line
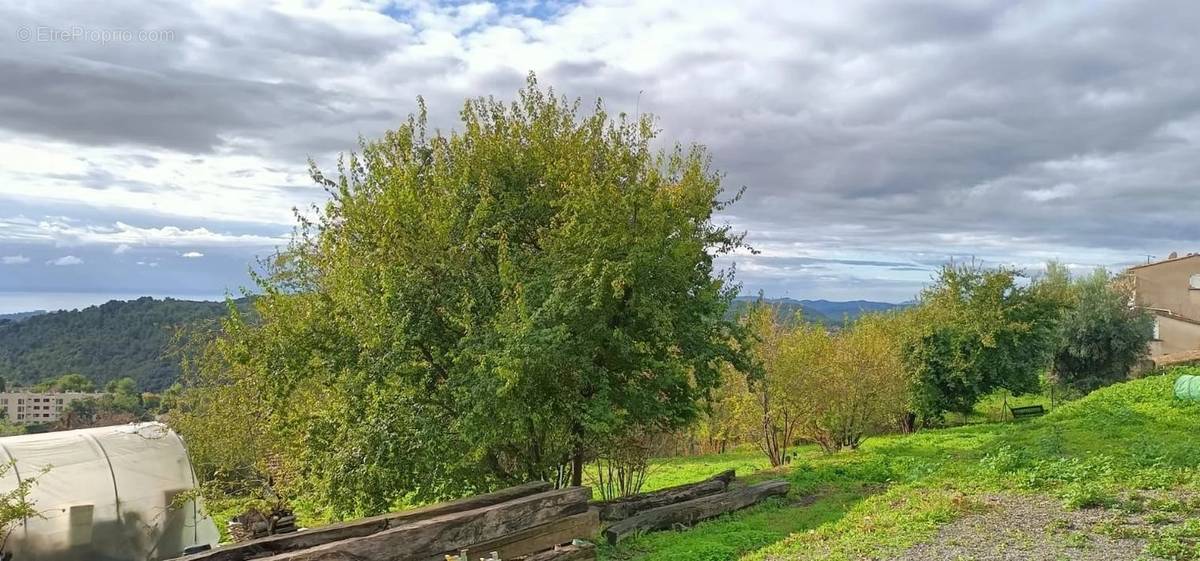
1060 191
193 255
125 236
14 260
65 261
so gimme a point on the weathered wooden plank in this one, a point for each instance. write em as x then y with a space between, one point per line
451 532
622 508
363 527
695 510
538 538
584 552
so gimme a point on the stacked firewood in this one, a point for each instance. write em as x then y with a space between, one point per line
682 506
254 524
529 521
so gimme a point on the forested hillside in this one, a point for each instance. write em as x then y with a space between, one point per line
104 342
19 316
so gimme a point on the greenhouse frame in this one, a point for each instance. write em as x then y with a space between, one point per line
120 493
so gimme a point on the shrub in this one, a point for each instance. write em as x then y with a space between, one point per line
1100 337
977 330
832 389
15 505
1087 495
856 387
776 386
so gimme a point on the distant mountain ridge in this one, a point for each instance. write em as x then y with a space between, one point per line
826 312
20 316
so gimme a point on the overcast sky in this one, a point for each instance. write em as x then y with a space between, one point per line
157 148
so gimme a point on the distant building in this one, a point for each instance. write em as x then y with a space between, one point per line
1170 289
26 407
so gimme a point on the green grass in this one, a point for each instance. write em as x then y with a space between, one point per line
897 490
669 472
733 536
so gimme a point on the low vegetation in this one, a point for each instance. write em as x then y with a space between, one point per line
16 506
1126 448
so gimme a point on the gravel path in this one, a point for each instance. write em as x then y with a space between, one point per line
1026 528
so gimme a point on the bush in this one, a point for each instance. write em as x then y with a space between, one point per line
776 386
832 389
857 388
1100 337
975 331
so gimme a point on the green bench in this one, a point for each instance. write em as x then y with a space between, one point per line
1027 412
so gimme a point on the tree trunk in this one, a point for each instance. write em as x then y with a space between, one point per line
577 466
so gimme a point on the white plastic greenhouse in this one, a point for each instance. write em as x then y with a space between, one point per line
105 494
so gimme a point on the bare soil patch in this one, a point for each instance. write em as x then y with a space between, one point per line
1031 528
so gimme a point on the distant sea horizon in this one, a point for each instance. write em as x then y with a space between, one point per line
16 302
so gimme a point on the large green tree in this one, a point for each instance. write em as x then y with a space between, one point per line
480 307
977 330
1100 336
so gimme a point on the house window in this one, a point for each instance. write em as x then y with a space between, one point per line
1156 337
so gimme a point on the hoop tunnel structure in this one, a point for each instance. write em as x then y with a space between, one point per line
105 494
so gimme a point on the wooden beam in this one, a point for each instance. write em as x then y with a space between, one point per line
274 545
585 552
538 538
427 538
695 510
622 508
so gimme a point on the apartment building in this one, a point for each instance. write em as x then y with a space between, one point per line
27 407
1170 289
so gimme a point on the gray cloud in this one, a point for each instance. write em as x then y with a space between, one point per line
877 138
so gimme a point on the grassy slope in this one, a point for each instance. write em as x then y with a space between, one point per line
896 491
678 471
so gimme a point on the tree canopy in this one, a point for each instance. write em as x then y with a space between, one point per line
977 330
67 383
475 308
1100 336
